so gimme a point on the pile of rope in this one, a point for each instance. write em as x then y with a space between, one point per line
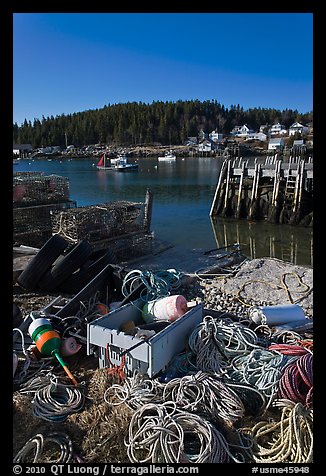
296 383
289 440
215 341
223 401
161 433
262 369
279 337
135 392
205 394
36 447
157 285
56 401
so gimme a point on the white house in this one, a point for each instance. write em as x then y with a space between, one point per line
276 143
278 129
216 136
257 136
18 149
207 145
297 128
242 131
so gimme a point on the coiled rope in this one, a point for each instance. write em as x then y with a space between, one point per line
206 395
261 369
156 285
135 392
288 349
279 337
56 401
289 440
36 382
161 433
37 444
253 399
296 383
215 341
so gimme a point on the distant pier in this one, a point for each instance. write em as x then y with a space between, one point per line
273 189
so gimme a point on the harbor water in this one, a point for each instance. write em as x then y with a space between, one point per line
183 191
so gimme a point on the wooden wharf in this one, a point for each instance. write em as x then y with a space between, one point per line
273 189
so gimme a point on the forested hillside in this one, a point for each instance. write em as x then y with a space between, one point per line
140 123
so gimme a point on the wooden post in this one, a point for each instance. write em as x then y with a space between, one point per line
227 186
254 192
148 209
218 188
295 218
273 213
240 191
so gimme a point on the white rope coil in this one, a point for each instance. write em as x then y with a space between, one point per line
207 395
160 433
215 341
135 392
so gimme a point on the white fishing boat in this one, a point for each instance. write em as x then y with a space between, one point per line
122 165
168 156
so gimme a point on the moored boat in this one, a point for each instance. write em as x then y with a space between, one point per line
169 156
104 163
122 165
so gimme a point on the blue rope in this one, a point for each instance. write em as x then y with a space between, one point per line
157 285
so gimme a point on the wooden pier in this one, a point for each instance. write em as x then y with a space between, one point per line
271 188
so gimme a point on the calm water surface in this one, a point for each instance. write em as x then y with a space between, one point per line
183 192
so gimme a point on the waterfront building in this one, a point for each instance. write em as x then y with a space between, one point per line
297 128
278 129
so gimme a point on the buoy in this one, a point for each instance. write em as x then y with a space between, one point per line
48 341
168 308
102 309
277 315
69 346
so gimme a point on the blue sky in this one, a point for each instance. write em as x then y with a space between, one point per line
70 62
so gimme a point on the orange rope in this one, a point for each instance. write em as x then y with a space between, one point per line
307 343
116 370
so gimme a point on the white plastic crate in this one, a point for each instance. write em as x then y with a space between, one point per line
154 354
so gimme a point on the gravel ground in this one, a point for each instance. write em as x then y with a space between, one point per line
257 282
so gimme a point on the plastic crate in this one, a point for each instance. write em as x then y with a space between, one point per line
154 354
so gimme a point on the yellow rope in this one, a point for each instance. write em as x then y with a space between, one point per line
281 286
289 440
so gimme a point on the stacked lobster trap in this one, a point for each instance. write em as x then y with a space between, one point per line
122 226
35 196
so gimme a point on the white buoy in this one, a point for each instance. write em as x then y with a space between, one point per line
276 315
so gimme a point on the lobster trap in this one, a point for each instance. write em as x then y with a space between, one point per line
32 226
35 196
36 188
96 223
